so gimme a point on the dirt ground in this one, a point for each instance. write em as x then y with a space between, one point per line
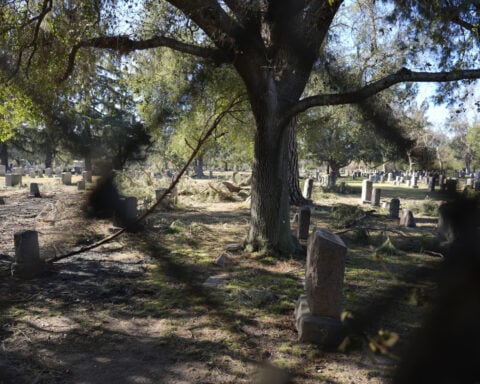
136 310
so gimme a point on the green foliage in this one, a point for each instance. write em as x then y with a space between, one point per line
345 216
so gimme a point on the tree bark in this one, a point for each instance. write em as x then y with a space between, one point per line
199 167
4 154
295 193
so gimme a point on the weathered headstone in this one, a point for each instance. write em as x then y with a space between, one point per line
376 192
303 223
342 187
407 219
413 182
48 172
2 170
441 183
390 177
382 179
469 182
87 176
317 312
81 185
12 180
366 191
27 255
35 190
451 186
394 209
307 189
432 180
127 210
66 178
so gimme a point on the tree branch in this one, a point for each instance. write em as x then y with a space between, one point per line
201 141
401 76
124 44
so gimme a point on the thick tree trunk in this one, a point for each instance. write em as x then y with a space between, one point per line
4 154
295 193
199 167
270 214
88 162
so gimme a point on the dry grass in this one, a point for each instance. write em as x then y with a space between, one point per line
136 310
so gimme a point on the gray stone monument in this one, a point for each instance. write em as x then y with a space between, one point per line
317 312
307 189
48 172
66 178
2 170
87 176
81 185
413 182
407 219
303 223
27 255
376 192
35 190
127 210
394 208
366 191
12 180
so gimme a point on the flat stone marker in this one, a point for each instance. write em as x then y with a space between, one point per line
27 255
307 189
394 209
366 191
303 223
407 219
317 312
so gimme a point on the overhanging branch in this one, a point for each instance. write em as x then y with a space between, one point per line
402 76
124 44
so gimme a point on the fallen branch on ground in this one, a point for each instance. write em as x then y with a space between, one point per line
200 142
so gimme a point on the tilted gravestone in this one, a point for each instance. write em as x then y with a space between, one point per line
307 189
407 219
366 191
66 178
27 255
394 209
303 223
317 312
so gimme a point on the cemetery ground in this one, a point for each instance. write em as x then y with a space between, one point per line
153 307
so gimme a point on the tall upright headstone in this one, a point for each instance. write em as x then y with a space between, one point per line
366 191
394 208
2 170
35 190
303 223
308 188
66 178
376 193
317 312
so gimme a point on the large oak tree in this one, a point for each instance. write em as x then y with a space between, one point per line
272 45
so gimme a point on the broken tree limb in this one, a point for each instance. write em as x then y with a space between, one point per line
201 141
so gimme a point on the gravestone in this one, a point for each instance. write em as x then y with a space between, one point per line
451 186
2 170
366 191
34 190
431 183
303 223
372 178
307 189
66 178
413 182
12 180
390 177
81 185
127 210
317 312
27 255
376 192
394 209
87 176
342 187
469 182
441 183
407 219
32 174
382 179
48 172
